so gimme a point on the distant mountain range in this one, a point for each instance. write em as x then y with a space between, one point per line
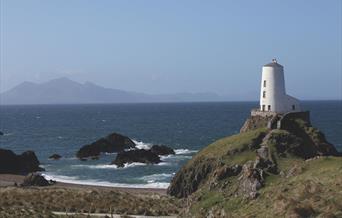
66 91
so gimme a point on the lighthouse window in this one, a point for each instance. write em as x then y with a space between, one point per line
293 107
264 83
263 107
269 107
264 94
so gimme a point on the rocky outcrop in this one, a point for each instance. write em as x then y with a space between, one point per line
1 133
251 180
35 179
138 155
55 157
191 177
301 143
313 140
255 122
227 171
251 156
18 164
110 144
162 150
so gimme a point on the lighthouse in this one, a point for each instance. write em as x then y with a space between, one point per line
273 97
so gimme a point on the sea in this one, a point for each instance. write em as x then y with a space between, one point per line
186 127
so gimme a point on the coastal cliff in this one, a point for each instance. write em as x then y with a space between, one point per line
263 171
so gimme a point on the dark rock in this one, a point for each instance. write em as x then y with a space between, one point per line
162 150
18 164
95 157
301 144
140 156
110 144
1 133
263 152
35 179
190 177
55 157
251 180
255 122
256 142
266 165
228 171
313 141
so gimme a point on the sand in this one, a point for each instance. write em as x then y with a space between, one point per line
11 180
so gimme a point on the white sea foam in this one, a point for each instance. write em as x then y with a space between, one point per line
185 151
164 164
156 177
77 180
70 158
142 145
107 166
174 157
99 166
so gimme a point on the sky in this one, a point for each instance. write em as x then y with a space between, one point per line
160 47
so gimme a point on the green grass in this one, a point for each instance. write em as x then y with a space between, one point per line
306 188
239 141
317 190
209 199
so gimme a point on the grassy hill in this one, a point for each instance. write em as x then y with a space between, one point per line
292 172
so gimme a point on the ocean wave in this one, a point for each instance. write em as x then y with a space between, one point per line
185 151
164 164
8 134
157 177
110 153
44 165
174 157
99 166
71 158
77 180
113 166
108 166
142 145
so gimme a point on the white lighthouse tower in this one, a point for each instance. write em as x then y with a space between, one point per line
273 97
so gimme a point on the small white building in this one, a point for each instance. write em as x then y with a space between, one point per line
273 97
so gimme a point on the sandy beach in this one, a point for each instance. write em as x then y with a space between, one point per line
61 199
12 179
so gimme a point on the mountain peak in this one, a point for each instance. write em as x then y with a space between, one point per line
61 80
66 91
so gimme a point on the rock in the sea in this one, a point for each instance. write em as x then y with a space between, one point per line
1 133
110 144
139 155
95 157
18 164
55 157
162 150
35 179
